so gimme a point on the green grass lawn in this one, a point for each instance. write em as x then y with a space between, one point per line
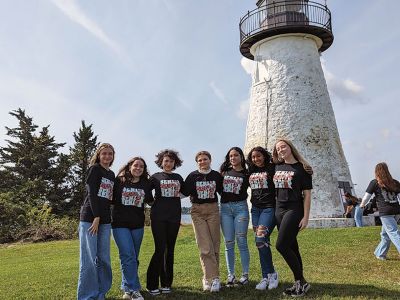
339 264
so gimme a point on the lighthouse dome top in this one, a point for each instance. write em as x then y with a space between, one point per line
277 17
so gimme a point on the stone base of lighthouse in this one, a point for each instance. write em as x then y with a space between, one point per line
289 99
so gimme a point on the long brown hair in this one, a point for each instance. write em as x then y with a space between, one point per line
96 156
125 172
296 154
385 179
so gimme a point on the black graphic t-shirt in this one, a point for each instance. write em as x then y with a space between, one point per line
234 186
262 187
129 201
203 188
167 201
99 194
386 201
290 181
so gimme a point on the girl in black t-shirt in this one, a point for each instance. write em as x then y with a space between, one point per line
387 192
293 194
234 213
132 191
95 276
165 221
261 172
202 186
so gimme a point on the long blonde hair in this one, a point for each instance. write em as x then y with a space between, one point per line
385 179
296 154
96 156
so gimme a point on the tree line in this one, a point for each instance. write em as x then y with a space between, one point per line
41 188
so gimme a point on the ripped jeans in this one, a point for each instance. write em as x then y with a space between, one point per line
263 220
234 225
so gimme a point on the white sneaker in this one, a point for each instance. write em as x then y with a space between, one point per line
215 285
244 279
127 296
262 285
206 285
136 295
230 282
273 281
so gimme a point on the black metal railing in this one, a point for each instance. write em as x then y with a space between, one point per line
284 14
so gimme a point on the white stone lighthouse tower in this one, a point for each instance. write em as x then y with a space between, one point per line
289 96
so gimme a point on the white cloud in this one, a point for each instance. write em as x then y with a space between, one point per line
346 90
71 9
243 111
248 65
220 95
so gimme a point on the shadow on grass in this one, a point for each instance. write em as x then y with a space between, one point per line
317 291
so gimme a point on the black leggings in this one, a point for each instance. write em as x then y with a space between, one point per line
161 267
288 219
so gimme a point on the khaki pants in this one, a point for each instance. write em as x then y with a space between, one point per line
206 226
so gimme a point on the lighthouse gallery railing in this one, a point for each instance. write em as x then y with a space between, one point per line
284 14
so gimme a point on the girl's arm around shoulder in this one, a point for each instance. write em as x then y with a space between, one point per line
148 195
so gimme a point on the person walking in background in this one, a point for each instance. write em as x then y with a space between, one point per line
235 213
95 275
261 172
387 191
293 194
132 191
202 186
353 203
165 218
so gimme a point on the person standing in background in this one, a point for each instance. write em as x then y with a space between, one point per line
387 192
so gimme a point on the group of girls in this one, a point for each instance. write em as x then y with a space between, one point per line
280 195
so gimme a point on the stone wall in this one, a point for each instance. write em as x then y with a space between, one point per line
289 98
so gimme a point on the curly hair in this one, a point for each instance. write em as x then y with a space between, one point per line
174 155
125 174
95 159
264 153
226 165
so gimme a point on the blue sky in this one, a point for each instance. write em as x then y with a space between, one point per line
152 74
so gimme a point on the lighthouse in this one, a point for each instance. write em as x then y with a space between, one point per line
289 96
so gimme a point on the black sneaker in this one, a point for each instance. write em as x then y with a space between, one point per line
165 290
155 292
288 291
297 290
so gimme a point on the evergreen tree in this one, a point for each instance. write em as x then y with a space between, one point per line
17 158
80 154
30 163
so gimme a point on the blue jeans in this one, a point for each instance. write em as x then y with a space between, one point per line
390 232
235 223
358 213
95 275
263 220
128 242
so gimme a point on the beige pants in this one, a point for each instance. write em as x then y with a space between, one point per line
206 226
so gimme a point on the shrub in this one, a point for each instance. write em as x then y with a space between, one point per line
45 226
12 218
